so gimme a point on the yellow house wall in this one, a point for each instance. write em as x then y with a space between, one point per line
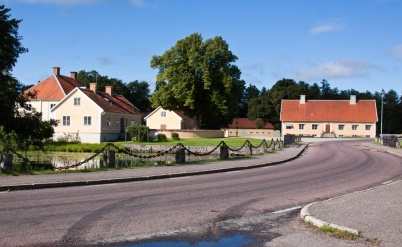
251 132
43 106
334 127
172 120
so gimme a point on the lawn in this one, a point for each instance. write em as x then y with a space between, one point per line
230 141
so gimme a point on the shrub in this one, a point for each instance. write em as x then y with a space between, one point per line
161 138
175 136
138 132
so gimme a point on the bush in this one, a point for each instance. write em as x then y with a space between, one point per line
161 138
175 136
138 132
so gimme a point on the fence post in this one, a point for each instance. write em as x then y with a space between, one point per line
8 161
264 146
109 156
224 152
272 144
180 155
248 149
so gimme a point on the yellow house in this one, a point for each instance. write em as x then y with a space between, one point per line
93 116
246 127
51 91
329 118
161 119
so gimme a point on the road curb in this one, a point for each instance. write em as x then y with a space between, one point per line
144 178
379 149
308 218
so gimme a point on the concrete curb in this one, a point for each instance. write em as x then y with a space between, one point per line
307 217
144 178
379 149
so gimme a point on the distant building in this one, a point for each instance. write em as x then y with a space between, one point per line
245 127
161 119
329 118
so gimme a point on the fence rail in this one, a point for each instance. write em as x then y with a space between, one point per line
222 149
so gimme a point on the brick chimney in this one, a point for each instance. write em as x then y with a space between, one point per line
108 90
302 99
353 99
56 70
74 75
92 87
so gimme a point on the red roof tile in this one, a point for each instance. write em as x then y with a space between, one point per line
114 103
55 87
245 123
329 110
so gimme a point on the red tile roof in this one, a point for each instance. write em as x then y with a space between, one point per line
245 123
111 103
329 110
55 87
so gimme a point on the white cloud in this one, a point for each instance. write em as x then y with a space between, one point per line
396 51
347 68
323 28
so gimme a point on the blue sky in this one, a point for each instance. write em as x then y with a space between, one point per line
352 44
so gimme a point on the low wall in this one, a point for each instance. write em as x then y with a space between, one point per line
192 133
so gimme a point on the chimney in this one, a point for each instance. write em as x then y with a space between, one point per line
302 99
108 90
56 70
74 75
92 87
353 99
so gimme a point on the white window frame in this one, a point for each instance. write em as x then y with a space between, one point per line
314 126
301 126
341 127
77 101
87 120
66 121
368 126
108 121
163 113
52 105
355 127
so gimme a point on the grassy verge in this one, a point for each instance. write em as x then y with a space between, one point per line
230 141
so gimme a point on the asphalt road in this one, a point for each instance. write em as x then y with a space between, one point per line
117 212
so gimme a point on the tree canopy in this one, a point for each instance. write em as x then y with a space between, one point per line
199 79
18 124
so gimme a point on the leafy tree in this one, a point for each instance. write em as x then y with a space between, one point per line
268 106
18 124
200 79
138 94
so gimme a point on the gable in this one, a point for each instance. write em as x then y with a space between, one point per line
55 87
329 110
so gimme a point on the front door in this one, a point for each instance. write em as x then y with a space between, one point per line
327 128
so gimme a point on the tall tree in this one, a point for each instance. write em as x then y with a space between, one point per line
200 79
10 88
17 121
138 94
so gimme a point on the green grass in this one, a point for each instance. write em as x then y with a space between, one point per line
230 141
336 233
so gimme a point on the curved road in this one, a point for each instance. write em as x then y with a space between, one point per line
116 212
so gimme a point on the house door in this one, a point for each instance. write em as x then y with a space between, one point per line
122 126
327 128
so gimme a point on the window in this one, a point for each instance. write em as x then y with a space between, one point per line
87 120
132 121
368 127
77 101
52 105
301 126
66 120
341 127
117 123
29 107
289 126
314 126
108 121
354 127
163 113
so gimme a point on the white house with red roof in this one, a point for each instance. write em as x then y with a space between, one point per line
94 116
246 127
336 118
51 91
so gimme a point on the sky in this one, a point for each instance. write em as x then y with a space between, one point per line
351 44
